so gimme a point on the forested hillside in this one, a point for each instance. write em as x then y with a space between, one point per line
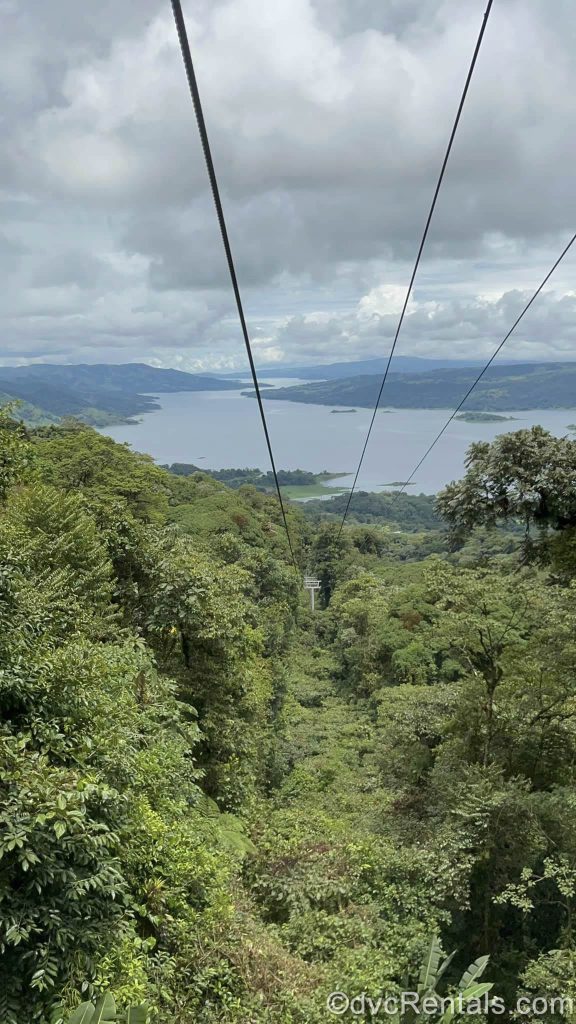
517 386
218 807
412 511
95 393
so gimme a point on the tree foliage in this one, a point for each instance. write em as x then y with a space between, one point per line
527 476
216 807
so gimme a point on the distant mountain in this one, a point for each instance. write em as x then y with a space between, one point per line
335 371
99 393
515 386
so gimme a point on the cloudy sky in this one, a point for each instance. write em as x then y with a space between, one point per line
328 120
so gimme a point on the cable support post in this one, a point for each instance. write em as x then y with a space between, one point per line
311 584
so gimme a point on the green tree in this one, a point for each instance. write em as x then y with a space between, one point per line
15 450
527 476
327 558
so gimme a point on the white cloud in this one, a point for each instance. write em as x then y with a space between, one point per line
328 122
383 299
456 328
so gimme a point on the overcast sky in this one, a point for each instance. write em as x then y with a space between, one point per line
328 120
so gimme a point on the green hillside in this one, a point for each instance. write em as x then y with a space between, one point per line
219 808
97 394
523 386
295 483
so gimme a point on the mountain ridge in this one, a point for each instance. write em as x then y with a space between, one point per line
357 367
503 388
99 394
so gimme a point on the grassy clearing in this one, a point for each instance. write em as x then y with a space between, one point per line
301 492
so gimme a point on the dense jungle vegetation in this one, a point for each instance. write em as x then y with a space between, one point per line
263 481
220 808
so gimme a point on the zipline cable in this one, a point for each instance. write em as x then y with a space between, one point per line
195 94
421 248
486 367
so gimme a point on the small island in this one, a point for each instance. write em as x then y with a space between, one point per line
342 410
483 417
399 483
572 428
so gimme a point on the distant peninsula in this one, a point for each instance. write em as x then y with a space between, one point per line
503 388
105 394
483 417
98 393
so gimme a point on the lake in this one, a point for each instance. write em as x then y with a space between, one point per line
221 429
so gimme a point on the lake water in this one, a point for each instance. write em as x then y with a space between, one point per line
220 429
